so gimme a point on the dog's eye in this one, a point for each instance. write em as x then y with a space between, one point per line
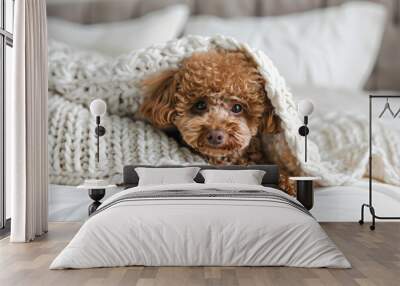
200 105
237 108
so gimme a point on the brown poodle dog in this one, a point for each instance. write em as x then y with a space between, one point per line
217 101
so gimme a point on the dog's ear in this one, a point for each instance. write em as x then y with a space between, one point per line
159 103
271 123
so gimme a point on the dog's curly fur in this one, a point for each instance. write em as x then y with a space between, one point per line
218 102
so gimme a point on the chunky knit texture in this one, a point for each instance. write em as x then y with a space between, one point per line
72 145
338 152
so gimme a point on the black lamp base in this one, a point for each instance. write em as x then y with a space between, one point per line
96 195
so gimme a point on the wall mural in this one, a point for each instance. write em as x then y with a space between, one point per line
227 104
211 107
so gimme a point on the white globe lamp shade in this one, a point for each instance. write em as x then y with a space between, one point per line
305 107
98 107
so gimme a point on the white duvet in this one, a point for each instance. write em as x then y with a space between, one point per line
200 231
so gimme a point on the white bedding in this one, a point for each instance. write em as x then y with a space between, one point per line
331 204
331 100
337 149
337 203
116 38
343 203
200 231
331 47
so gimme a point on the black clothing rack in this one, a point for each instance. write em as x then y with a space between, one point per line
370 203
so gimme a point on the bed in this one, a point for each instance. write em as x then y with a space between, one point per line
197 224
335 203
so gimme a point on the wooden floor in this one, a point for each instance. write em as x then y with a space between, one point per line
375 257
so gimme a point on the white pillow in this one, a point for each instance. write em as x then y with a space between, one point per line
332 47
165 176
121 37
247 177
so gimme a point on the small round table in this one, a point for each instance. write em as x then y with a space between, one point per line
96 192
305 190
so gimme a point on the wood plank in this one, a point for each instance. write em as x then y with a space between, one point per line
375 257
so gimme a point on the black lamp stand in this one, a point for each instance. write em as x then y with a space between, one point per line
304 131
97 194
99 131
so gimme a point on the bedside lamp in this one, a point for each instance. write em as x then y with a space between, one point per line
98 108
97 187
305 108
305 189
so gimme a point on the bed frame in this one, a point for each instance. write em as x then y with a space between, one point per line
271 178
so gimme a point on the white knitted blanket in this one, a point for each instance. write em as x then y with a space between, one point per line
338 151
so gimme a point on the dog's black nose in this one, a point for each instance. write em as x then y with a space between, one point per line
216 138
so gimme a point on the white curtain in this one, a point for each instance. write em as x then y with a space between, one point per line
26 123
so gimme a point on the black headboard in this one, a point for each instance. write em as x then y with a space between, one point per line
270 179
